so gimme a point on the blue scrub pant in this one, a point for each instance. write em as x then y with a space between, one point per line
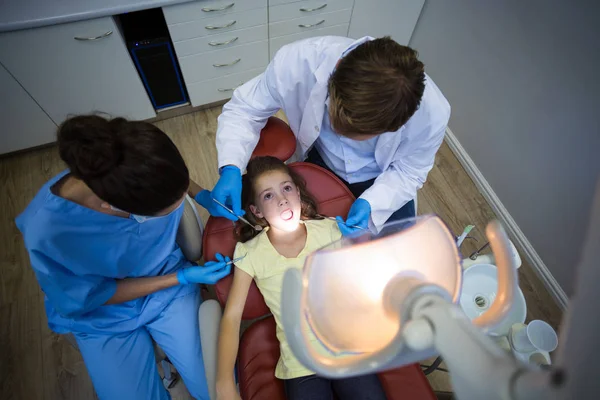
406 211
123 366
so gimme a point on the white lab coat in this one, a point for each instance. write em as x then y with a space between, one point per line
296 82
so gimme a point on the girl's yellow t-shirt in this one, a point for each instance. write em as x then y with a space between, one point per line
267 266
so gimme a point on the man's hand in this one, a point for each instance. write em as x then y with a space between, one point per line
228 191
204 198
359 215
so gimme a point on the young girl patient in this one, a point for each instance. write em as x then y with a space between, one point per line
276 198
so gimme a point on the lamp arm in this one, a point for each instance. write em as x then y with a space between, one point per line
479 368
507 277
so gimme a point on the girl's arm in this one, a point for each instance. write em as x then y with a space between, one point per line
229 335
132 288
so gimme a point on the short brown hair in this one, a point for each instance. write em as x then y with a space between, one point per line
132 165
257 167
375 88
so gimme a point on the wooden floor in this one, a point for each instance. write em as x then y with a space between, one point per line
37 364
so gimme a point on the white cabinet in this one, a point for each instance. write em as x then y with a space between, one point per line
278 42
200 67
220 44
76 68
24 124
377 18
290 21
218 24
198 10
219 89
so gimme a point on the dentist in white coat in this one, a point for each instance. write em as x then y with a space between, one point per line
363 109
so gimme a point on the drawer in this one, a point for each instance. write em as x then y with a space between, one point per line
309 23
217 25
278 42
278 2
199 10
218 63
213 90
221 41
306 9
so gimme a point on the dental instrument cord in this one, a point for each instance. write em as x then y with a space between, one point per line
428 369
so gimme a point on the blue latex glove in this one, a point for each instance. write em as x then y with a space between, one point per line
204 198
228 191
209 273
359 215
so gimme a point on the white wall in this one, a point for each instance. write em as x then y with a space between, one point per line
522 79
377 18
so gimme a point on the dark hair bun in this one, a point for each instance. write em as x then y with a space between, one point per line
90 146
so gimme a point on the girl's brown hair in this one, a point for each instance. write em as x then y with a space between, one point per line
257 167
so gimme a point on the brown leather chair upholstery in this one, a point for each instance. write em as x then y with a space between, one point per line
259 347
276 139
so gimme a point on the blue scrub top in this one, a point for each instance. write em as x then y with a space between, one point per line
77 254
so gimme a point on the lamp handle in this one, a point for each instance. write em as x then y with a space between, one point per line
507 277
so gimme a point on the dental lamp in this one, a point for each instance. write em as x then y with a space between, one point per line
374 302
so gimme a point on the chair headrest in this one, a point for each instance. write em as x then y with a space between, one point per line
333 198
276 139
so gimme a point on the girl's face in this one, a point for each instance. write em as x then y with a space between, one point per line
277 200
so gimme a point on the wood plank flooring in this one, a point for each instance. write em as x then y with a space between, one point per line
37 364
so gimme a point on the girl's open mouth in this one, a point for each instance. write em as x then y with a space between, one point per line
287 215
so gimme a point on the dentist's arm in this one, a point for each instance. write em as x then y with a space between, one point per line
133 288
238 132
245 115
194 189
247 112
407 173
229 335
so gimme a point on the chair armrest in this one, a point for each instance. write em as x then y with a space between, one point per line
189 233
209 316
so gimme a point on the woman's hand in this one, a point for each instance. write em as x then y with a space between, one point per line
227 391
209 273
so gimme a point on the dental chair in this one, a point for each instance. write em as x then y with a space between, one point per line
259 347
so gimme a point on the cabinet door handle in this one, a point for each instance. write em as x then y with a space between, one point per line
304 9
227 65
311 25
208 9
230 89
227 25
106 34
223 43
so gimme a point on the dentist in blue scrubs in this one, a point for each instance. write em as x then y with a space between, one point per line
101 240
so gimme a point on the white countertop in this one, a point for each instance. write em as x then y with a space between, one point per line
23 14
